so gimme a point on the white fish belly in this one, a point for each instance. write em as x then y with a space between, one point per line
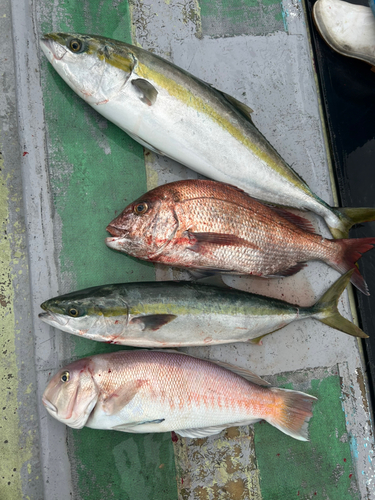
192 330
191 137
144 414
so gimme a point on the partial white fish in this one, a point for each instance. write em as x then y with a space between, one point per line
171 112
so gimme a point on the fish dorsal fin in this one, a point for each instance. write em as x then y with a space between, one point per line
147 92
299 221
242 372
152 321
240 106
114 402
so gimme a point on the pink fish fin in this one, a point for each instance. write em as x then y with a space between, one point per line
352 250
288 272
298 220
210 431
113 403
242 372
292 412
199 240
127 426
152 321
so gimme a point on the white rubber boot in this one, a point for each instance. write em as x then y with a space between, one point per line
349 29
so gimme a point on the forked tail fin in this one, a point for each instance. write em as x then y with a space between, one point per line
348 218
327 312
294 410
351 251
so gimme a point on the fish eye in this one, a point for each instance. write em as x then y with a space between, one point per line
65 377
73 312
75 45
141 208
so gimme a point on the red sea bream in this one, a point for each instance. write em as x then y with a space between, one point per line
213 226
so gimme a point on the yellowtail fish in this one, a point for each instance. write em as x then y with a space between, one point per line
173 314
153 391
209 225
173 113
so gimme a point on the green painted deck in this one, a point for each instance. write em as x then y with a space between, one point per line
65 172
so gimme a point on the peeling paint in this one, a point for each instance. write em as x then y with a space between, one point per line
222 466
13 455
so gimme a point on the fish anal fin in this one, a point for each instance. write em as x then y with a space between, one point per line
114 402
210 431
147 92
153 321
288 272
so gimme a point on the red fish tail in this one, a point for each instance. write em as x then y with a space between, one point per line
293 410
351 251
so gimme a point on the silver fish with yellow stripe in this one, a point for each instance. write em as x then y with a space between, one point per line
175 314
173 113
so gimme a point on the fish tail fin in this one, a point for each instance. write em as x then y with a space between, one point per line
348 218
351 251
293 411
327 312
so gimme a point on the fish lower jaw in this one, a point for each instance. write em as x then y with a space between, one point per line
116 242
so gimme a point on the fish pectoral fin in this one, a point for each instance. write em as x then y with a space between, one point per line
200 239
242 372
287 272
114 402
147 92
152 321
125 427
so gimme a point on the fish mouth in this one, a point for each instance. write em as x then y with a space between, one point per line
114 231
52 49
53 319
117 243
118 240
49 406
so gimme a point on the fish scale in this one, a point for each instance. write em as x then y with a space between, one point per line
213 226
153 391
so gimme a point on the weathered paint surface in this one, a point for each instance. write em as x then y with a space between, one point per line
10 431
95 170
216 467
323 467
20 471
273 75
240 17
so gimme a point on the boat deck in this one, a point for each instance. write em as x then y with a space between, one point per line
65 172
